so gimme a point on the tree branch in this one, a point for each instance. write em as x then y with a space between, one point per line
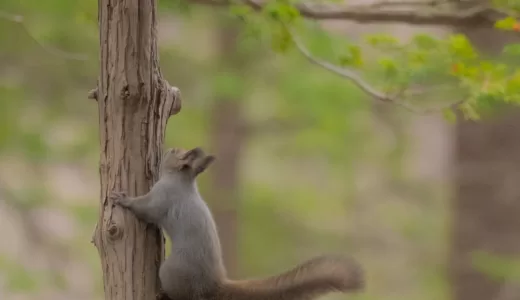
480 15
409 3
353 77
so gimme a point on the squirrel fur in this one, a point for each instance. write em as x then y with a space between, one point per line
194 270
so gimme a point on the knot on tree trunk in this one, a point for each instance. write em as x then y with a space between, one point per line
93 94
169 97
114 232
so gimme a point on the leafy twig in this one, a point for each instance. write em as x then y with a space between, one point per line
356 79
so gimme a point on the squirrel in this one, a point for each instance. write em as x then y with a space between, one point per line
194 270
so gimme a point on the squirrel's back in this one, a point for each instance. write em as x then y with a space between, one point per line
195 247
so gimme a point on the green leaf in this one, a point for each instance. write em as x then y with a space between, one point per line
281 12
487 66
506 24
469 111
281 40
383 41
460 46
352 57
389 66
486 100
512 86
425 42
417 58
449 115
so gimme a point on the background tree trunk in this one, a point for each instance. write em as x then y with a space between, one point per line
134 106
227 137
486 207
227 143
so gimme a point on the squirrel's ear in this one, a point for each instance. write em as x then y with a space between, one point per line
203 164
192 154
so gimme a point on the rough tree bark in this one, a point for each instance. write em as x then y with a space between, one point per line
134 106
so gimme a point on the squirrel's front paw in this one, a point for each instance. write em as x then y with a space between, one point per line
120 198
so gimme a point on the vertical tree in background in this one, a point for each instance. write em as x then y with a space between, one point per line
227 137
486 207
134 106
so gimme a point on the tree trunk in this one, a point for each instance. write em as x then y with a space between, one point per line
486 207
134 106
227 138
227 144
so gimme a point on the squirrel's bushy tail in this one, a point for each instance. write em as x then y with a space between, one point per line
315 277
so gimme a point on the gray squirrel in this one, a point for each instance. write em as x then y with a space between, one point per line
194 269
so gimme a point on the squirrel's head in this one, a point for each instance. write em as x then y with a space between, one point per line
186 162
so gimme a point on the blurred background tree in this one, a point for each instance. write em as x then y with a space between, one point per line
308 163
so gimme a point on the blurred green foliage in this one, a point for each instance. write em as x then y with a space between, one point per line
481 83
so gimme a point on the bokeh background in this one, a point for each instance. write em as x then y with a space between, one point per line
307 164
